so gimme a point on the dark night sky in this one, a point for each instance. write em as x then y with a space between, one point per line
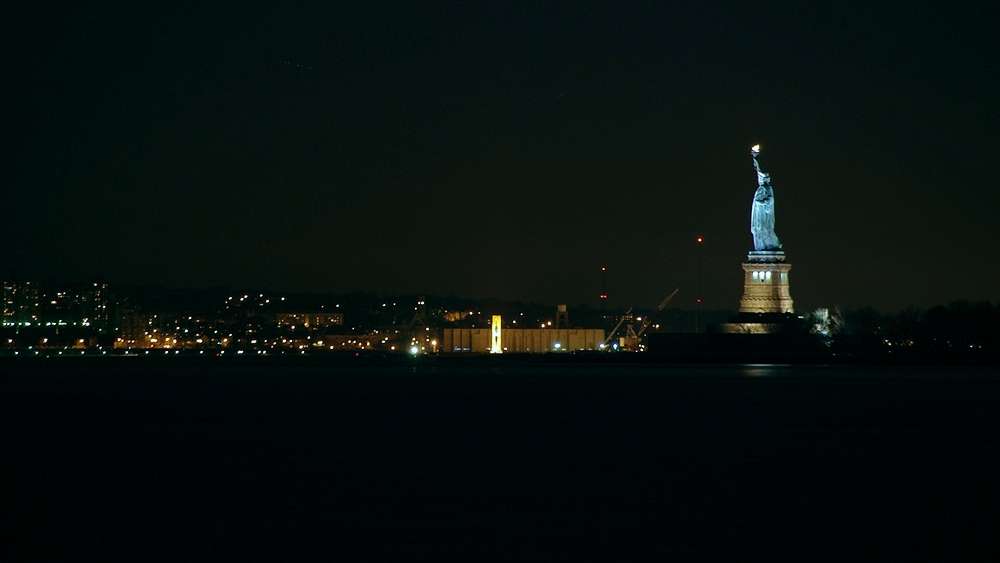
506 151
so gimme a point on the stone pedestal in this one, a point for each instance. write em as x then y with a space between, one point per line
765 283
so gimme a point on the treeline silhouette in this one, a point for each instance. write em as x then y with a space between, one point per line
962 331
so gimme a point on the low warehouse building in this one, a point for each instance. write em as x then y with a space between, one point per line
522 340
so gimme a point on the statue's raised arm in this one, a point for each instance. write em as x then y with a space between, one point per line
761 175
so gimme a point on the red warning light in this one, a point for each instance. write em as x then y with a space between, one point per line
700 239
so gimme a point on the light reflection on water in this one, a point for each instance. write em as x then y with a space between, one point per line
764 370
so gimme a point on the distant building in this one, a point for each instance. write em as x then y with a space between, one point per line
455 316
133 326
8 303
95 305
20 303
522 340
316 320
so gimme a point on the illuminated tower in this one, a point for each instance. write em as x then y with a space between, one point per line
496 345
765 273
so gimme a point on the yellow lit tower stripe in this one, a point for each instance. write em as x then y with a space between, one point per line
496 346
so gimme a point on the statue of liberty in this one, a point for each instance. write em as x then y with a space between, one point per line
762 213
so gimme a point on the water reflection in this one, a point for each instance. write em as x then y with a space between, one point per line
763 370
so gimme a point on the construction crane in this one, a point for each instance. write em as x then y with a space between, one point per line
633 335
648 321
614 331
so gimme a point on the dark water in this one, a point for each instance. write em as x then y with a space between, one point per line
481 461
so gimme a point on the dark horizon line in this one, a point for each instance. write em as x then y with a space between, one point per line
387 294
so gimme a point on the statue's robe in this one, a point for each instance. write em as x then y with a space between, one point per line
762 220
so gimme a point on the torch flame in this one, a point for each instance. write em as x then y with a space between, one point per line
755 148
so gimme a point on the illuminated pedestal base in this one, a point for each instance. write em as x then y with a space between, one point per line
765 284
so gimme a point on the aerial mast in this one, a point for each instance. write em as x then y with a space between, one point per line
604 286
